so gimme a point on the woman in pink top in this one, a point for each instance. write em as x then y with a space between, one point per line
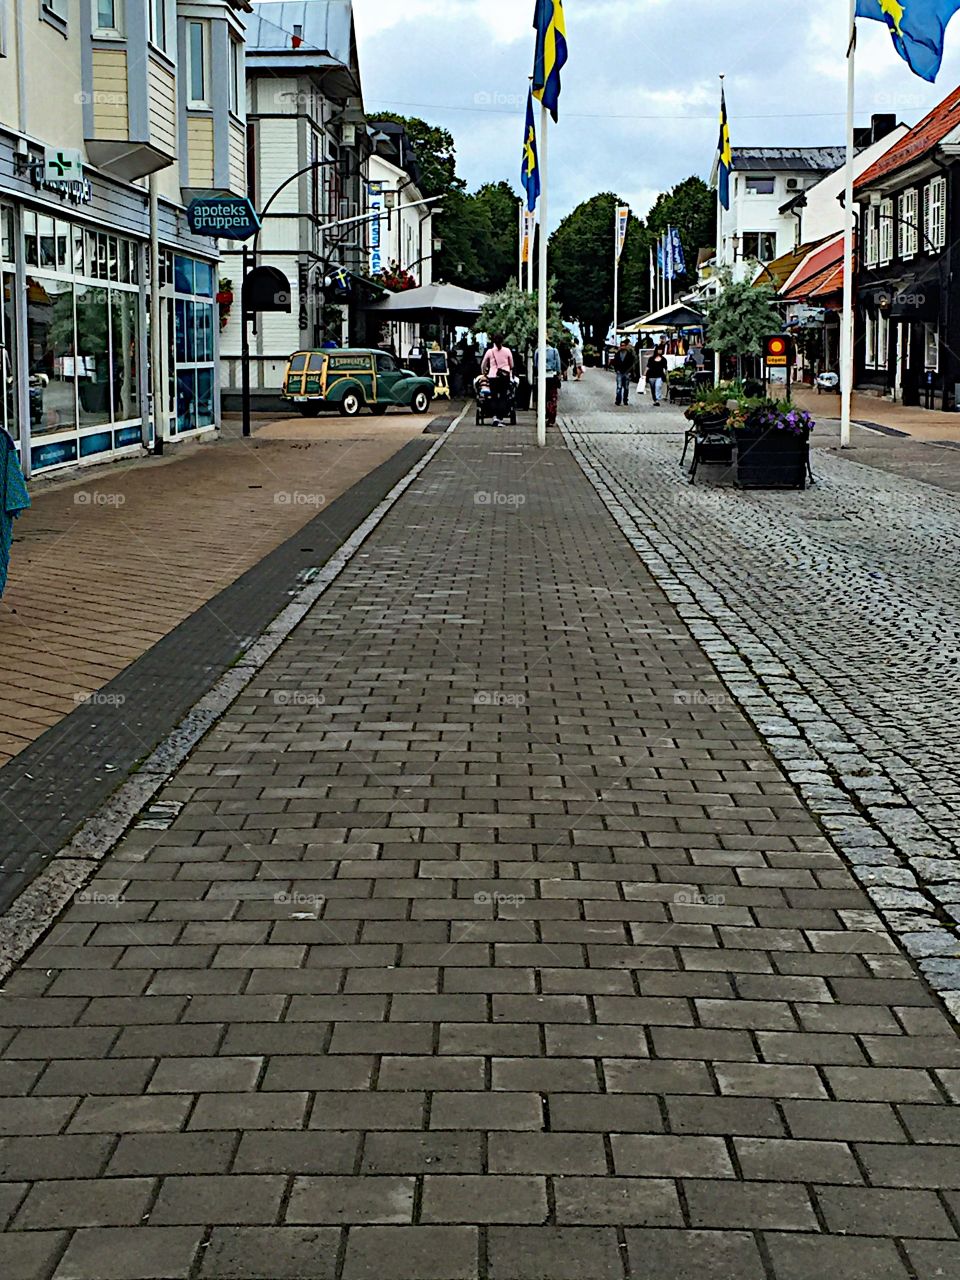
498 367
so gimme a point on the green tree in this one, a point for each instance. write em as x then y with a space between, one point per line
497 223
741 317
581 258
691 207
513 312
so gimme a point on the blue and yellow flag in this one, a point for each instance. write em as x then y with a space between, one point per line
726 155
551 53
530 169
918 28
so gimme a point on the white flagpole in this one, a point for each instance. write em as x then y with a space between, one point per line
846 330
542 285
531 250
522 226
616 267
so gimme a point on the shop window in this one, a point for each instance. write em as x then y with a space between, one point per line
125 349
183 275
7 238
92 355
8 355
204 397
203 279
77 234
870 341
931 346
883 340
52 356
48 242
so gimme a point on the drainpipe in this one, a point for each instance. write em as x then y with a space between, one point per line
156 372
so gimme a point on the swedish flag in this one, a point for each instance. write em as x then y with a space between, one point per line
918 28
530 169
726 155
551 53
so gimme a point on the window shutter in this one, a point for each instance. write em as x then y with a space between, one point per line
928 197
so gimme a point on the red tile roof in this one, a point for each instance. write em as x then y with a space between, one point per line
917 142
820 257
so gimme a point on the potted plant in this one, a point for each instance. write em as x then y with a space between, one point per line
224 300
772 444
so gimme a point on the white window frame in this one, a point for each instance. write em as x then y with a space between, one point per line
57 13
883 340
236 81
870 341
157 13
886 232
871 237
760 177
114 32
935 213
204 102
907 223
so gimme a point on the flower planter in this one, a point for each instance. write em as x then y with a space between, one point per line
771 458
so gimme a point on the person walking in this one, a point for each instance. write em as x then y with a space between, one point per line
657 373
624 363
497 366
554 375
576 355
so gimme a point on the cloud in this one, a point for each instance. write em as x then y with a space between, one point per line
641 90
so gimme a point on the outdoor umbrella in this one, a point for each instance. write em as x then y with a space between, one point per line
430 302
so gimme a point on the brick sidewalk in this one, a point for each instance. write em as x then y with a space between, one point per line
489 944
108 562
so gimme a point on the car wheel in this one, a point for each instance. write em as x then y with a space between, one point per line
351 404
420 402
378 410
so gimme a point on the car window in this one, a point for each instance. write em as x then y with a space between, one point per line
386 364
298 362
317 361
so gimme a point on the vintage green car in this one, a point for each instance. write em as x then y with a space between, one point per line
349 378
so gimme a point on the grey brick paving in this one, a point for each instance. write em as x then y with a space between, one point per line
476 953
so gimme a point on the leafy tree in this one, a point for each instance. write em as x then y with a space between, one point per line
741 317
691 207
513 312
581 258
496 206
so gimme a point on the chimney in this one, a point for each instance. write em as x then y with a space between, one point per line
881 126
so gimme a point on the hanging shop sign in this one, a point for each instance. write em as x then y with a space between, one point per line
223 217
61 172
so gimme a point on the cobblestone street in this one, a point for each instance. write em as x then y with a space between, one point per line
833 615
484 939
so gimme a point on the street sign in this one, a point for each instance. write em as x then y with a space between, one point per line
223 217
62 165
776 352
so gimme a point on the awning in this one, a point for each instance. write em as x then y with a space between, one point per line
430 301
679 315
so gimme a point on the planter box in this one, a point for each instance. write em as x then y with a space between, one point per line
771 459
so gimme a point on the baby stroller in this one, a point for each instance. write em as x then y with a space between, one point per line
484 393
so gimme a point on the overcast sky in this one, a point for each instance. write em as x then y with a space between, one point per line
640 99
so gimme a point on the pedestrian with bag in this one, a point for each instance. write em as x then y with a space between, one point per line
624 363
657 373
497 367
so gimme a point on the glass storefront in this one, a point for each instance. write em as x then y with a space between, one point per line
86 337
83 339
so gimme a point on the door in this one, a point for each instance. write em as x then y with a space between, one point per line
912 358
388 375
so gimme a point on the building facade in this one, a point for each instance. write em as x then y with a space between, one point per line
96 96
907 324
305 118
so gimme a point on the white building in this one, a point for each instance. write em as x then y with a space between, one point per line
759 226
109 93
401 239
305 122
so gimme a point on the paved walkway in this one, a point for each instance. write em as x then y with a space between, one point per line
111 560
899 419
489 943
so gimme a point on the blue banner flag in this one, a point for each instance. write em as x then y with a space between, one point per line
918 28
726 155
551 53
530 169
679 261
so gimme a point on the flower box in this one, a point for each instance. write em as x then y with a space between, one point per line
771 458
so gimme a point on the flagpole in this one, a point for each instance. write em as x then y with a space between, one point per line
521 226
616 268
718 252
542 286
531 252
846 331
